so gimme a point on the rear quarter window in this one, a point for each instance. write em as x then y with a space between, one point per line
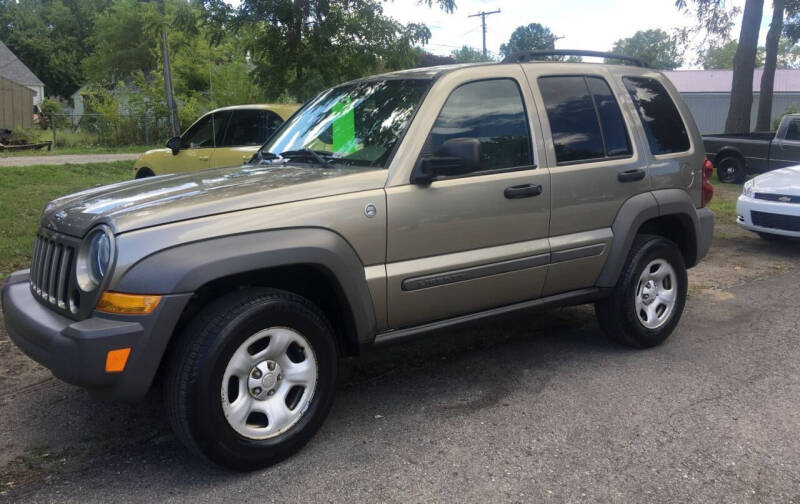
662 123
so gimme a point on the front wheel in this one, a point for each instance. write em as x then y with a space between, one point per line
252 378
650 295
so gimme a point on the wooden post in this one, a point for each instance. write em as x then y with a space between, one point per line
53 127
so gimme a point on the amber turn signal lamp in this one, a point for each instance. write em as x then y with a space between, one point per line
116 360
127 304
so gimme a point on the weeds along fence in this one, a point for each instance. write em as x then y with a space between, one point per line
101 130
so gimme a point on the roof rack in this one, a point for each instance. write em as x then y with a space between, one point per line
525 56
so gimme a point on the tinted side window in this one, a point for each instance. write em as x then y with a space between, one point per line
793 133
662 123
573 119
201 134
615 134
491 111
248 127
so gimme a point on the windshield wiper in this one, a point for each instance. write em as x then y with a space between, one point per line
306 153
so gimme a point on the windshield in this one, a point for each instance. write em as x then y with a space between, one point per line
351 125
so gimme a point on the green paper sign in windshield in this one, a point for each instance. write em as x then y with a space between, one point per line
344 127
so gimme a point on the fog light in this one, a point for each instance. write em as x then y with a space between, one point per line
116 360
127 304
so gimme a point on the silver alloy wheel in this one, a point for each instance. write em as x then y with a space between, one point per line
268 383
656 294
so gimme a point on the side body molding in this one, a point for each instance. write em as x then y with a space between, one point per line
643 207
185 268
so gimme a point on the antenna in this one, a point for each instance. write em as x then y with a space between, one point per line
483 15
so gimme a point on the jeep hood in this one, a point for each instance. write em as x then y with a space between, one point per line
159 200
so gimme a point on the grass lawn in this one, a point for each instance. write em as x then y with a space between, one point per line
25 190
724 202
80 150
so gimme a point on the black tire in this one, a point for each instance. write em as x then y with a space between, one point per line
731 170
617 313
144 172
196 365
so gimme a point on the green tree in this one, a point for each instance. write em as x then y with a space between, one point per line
655 47
531 37
303 46
467 54
122 42
50 37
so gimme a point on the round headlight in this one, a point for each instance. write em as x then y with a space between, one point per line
99 255
94 259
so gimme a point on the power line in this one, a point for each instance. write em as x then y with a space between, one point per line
483 15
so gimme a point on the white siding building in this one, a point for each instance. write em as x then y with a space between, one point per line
708 92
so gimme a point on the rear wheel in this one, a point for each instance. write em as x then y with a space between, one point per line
252 378
650 295
731 170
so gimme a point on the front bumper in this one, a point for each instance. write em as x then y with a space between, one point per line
745 206
75 351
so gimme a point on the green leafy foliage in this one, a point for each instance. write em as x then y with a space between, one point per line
657 48
531 37
50 36
467 54
300 47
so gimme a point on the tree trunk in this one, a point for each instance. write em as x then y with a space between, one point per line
743 65
770 63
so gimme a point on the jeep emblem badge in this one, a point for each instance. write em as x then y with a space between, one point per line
370 210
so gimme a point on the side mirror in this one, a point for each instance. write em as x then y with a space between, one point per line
174 144
457 156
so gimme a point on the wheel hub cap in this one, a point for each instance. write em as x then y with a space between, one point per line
269 383
263 378
656 294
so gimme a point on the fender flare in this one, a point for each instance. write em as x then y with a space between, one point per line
187 267
640 209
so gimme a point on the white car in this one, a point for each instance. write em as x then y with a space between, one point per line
770 204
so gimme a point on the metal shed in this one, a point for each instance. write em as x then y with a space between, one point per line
708 94
16 105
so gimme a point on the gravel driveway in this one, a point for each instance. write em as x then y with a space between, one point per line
60 159
536 407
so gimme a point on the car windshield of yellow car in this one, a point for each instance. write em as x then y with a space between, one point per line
355 124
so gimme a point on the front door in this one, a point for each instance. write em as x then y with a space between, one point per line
478 240
197 145
786 151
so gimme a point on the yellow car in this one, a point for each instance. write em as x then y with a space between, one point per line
223 137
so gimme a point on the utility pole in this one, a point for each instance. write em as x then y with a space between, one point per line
172 109
483 15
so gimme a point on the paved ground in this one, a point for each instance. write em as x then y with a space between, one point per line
528 408
59 159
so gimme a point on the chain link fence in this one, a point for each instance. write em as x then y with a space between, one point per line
101 130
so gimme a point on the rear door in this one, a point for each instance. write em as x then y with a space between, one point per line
479 240
595 167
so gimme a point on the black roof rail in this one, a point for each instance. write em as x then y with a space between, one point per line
525 56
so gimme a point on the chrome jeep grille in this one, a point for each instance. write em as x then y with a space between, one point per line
52 269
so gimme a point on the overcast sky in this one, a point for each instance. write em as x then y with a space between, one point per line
583 24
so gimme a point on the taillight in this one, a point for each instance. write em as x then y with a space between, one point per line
707 191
